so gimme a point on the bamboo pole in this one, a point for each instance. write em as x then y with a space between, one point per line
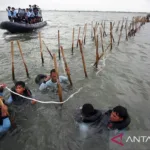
83 61
117 26
104 33
97 55
126 30
72 40
101 39
59 45
78 36
48 50
66 65
85 33
120 32
102 54
58 83
113 25
23 59
12 61
91 30
111 36
94 35
41 48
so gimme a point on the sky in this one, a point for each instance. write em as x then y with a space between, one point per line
93 5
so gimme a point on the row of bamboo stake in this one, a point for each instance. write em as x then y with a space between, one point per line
81 42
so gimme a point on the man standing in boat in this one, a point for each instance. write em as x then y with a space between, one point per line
14 14
9 13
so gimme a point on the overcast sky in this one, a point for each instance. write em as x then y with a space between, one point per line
100 5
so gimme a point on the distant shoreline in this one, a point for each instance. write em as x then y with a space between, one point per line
89 11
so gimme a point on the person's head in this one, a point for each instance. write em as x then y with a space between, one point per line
87 109
20 87
9 7
30 6
119 113
53 75
13 8
27 9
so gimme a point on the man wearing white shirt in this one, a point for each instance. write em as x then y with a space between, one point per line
51 81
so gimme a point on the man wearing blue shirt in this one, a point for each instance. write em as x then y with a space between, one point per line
51 81
9 13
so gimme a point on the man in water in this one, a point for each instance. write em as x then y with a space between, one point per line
117 118
19 88
51 81
5 123
9 13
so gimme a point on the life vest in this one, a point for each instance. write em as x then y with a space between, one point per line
17 100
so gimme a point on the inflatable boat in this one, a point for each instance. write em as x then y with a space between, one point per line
15 27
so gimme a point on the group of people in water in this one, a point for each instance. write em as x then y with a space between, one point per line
29 15
116 118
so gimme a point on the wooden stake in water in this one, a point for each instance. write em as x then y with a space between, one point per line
111 38
104 33
83 61
12 61
92 30
117 26
59 45
94 35
48 50
85 33
58 83
126 30
66 65
97 55
41 48
78 36
120 32
72 40
101 39
23 59
113 25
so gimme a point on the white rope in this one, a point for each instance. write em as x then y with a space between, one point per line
46 102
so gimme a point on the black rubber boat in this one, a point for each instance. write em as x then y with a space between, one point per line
15 27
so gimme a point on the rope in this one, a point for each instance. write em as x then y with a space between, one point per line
46 102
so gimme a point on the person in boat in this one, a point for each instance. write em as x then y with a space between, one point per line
30 8
28 15
116 118
19 88
50 80
14 14
32 16
5 122
9 12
